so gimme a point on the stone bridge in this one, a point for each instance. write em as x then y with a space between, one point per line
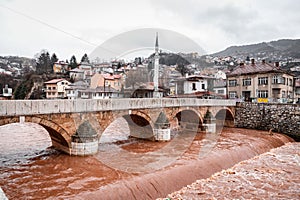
75 126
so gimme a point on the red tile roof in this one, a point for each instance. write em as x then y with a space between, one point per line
254 68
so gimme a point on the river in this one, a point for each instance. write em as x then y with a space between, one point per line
31 169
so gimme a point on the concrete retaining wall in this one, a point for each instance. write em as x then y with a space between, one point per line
282 118
32 107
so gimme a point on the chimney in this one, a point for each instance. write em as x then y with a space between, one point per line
263 61
252 61
241 64
277 64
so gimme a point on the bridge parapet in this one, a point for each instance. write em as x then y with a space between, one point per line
33 107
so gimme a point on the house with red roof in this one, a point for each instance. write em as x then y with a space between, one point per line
107 81
260 82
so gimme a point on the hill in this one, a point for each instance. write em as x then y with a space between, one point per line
275 50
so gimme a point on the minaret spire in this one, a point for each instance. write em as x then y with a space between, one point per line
156 69
156 44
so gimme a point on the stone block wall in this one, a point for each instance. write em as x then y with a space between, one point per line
282 118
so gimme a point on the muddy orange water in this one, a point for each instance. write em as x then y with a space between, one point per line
31 169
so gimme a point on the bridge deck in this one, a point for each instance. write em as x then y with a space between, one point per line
33 107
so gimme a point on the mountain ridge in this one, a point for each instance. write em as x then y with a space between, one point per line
279 49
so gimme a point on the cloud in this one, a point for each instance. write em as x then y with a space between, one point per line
213 24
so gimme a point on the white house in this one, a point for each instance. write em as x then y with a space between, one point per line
192 84
56 88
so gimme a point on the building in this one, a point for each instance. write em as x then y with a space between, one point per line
87 69
7 92
261 82
194 83
99 93
220 86
77 74
56 88
297 90
107 81
60 67
73 89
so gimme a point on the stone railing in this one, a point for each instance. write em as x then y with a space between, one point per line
32 107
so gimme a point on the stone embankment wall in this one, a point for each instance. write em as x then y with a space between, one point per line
282 118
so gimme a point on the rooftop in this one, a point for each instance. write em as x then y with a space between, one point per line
255 67
54 81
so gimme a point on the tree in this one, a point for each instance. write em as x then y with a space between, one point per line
73 63
135 77
182 69
53 59
44 63
85 58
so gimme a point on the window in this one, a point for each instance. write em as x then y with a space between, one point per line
194 86
290 82
220 91
49 88
278 79
262 94
53 88
232 94
283 94
246 81
203 86
232 83
263 81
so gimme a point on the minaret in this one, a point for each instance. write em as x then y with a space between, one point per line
156 69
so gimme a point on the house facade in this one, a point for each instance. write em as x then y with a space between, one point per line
192 84
107 81
56 88
297 90
60 67
260 82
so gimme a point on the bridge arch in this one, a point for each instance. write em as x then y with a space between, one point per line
140 126
188 118
60 138
225 117
140 123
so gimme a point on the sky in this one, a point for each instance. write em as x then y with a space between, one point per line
69 27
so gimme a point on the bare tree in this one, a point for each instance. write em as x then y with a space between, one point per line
136 77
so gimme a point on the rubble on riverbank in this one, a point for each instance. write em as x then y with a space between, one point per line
272 175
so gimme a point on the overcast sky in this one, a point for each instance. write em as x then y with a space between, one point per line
69 27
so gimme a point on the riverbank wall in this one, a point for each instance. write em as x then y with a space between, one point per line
281 118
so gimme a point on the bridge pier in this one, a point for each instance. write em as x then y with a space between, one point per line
85 140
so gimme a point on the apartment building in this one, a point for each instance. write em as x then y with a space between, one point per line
261 82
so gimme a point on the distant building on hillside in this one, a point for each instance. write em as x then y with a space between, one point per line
56 88
60 67
7 92
107 81
297 90
261 82
77 75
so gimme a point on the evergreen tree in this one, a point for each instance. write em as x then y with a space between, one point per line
53 59
85 58
73 63
43 63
